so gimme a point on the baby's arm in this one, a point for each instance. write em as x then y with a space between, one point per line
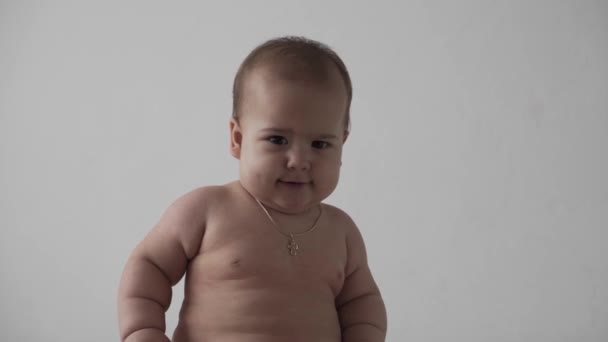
360 306
157 264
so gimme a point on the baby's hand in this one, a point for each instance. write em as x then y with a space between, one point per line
148 335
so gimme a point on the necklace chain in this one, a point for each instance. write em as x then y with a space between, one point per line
292 245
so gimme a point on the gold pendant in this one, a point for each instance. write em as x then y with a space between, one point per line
292 245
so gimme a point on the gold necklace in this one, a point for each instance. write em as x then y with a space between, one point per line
292 245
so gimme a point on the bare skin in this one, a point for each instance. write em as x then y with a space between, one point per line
241 284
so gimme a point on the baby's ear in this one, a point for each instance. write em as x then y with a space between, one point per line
236 138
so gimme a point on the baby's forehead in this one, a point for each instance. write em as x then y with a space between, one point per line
310 123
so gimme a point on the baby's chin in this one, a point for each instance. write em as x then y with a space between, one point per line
286 201
298 210
289 207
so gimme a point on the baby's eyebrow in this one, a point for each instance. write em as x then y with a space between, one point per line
327 136
276 130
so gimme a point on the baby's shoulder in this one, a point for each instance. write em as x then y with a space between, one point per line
339 217
202 197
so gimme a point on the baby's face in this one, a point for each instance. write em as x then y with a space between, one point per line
289 140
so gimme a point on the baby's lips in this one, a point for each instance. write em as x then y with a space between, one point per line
294 181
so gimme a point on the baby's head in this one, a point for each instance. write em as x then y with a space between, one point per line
295 59
291 100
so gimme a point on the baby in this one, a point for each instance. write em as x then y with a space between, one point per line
264 259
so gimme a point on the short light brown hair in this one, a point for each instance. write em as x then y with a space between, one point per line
292 58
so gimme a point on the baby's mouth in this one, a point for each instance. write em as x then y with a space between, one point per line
293 183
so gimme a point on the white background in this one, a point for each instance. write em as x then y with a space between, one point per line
476 168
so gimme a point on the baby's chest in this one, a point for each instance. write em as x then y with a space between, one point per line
258 254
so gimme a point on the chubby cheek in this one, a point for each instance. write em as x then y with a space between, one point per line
327 176
260 168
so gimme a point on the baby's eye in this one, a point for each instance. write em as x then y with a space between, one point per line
320 144
278 140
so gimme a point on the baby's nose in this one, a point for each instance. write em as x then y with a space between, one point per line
298 159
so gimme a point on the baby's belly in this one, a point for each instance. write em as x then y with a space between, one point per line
248 310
